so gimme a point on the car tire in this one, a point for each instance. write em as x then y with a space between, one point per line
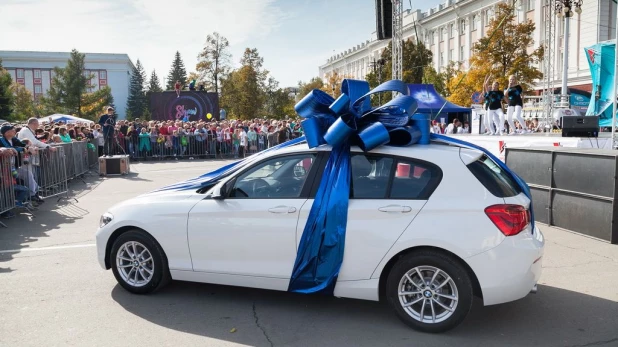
443 299
138 263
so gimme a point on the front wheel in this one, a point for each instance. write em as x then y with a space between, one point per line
429 291
138 263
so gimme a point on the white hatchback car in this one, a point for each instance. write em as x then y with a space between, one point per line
429 227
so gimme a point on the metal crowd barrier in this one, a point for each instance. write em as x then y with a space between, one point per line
53 178
7 186
147 146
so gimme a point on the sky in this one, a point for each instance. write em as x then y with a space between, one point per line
293 36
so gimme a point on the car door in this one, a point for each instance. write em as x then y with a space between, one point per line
251 231
386 194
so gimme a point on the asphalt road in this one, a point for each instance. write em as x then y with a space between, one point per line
53 292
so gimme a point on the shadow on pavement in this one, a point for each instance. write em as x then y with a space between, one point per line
58 211
553 317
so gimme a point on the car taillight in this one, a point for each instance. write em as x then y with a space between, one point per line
510 219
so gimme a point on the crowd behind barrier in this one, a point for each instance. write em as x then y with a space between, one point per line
42 166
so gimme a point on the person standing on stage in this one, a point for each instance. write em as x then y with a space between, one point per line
515 105
177 88
108 123
495 97
487 121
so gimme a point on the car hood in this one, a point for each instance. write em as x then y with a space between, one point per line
158 197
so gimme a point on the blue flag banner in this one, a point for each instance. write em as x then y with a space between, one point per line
601 58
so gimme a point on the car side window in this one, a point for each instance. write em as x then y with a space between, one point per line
370 176
277 178
414 180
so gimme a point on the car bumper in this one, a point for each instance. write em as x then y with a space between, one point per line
511 270
102 236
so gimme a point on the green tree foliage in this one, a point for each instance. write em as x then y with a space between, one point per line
305 88
177 72
279 103
137 104
94 104
243 90
68 92
503 52
23 102
154 85
415 58
6 95
214 61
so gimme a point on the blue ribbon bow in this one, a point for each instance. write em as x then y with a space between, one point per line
339 123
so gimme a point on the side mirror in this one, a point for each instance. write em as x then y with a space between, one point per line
218 192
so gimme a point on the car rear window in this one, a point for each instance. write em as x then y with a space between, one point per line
494 178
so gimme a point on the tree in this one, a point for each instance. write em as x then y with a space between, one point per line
332 85
243 90
93 104
177 72
415 58
6 95
502 53
305 88
23 102
68 85
214 60
278 100
136 102
154 86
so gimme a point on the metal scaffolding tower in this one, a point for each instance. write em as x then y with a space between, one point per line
548 60
397 39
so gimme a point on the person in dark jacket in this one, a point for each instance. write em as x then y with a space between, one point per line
108 123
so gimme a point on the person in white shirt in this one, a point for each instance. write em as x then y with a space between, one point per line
28 171
452 128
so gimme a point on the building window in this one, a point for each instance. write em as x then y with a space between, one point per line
450 54
103 75
442 59
38 89
20 73
531 5
463 26
461 53
443 36
452 29
37 73
474 20
431 37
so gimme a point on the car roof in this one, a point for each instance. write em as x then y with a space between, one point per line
433 152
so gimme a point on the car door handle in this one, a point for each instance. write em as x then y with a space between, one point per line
395 208
282 209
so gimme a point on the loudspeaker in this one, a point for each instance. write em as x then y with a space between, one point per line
384 19
576 126
574 189
116 165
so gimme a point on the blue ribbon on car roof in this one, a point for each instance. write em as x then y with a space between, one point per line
348 120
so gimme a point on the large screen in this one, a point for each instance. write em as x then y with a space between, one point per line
190 106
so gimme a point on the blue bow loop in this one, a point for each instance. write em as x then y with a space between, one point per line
335 121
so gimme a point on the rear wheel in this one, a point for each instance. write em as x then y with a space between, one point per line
429 291
138 263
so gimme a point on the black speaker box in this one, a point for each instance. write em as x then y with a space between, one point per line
384 19
580 126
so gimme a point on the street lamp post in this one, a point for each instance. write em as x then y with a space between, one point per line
565 8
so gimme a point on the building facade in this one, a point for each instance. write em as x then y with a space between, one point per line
451 29
34 70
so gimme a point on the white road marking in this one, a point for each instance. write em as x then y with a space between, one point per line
45 248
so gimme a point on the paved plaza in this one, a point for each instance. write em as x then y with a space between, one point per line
53 292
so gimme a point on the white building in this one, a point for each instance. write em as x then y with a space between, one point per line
34 70
452 28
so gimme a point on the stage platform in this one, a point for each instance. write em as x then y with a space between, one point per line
496 144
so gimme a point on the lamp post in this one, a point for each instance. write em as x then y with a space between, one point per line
565 8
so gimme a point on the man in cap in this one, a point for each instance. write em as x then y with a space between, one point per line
108 122
8 140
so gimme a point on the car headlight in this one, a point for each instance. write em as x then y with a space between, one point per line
105 219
